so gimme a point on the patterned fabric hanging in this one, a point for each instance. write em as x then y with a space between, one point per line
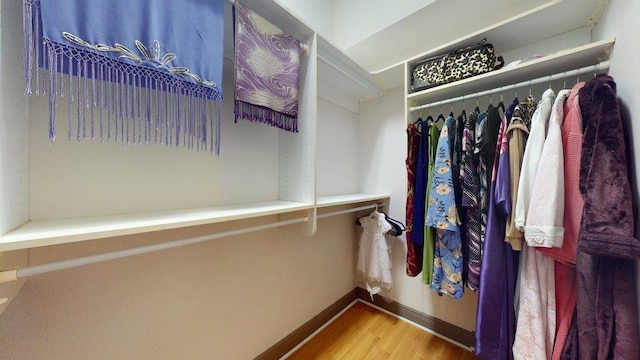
139 71
267 72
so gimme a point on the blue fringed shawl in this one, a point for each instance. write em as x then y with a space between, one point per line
139 70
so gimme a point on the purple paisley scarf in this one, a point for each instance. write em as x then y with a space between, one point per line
267 71
139 71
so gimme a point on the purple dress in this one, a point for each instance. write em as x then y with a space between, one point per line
495 322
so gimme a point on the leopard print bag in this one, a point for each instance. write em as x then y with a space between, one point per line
460 64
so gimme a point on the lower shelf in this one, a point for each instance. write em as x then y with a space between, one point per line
61 231
54 232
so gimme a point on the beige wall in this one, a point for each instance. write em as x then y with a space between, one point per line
226 299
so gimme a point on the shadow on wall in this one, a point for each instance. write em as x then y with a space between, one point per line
625 114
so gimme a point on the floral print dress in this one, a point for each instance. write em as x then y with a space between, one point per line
442 214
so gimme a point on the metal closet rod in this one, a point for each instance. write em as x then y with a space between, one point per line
587 69
346 211
20 273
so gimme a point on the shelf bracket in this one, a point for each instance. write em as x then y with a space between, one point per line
307 228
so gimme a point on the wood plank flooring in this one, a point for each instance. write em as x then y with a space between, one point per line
363 332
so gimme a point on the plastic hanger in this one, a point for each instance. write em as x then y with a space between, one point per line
429 120
397 228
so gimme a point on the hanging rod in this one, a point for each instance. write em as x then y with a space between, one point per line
232 2
346 211
587 69
15 274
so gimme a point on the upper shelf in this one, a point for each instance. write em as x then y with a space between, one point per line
53 232
559 62
516 25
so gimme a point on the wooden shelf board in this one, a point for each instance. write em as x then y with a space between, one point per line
60 231
566 60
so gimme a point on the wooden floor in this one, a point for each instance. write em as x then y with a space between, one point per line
363 332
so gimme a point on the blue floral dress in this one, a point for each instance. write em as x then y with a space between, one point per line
442 214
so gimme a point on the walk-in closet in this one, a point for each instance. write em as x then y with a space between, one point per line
265 179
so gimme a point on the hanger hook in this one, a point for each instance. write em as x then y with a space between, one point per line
530 85
564 81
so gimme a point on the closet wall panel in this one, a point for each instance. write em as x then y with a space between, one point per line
14 123
338 144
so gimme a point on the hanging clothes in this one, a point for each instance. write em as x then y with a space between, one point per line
457 186
495 320
442 214
486 140
413 263
531 158
417 236
565 256
607 310
469 184
536 318
543 226
517 132
429 232
374 259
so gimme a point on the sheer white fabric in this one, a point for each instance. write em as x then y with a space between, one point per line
374 255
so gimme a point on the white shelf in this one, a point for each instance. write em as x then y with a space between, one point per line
327 201
53 232
343 73
566 60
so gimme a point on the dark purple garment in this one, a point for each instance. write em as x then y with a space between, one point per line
607 312
495 322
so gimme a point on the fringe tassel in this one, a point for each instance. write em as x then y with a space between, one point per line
255 113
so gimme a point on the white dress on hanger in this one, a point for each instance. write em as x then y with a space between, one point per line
374 255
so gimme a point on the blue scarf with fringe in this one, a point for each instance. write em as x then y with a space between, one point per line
139 71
